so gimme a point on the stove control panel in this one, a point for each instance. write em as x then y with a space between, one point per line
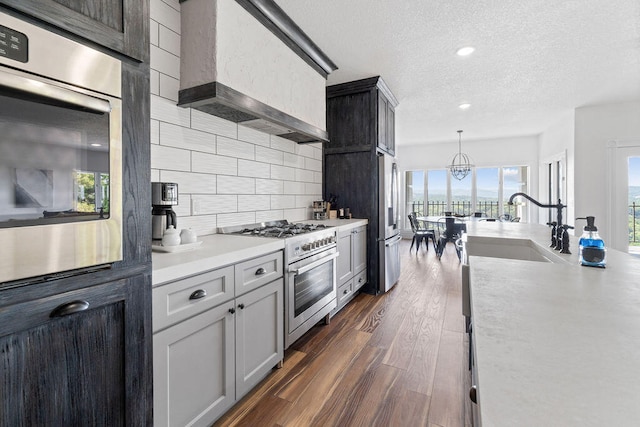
303 246
316 244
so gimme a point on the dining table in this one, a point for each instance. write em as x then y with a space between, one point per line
440 221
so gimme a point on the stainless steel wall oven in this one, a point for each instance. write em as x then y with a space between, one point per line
60 153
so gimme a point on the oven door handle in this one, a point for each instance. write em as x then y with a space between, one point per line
304 269
35 87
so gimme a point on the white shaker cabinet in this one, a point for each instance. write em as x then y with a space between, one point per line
205 363
352 263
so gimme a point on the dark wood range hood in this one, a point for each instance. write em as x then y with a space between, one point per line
248 62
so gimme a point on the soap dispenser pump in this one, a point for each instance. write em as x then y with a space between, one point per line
592 250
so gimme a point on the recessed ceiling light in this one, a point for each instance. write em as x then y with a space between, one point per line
464 106
464 51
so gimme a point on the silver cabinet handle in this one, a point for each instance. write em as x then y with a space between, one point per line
313 265
260 271
200 293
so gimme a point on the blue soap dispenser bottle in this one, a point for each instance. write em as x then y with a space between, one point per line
593 253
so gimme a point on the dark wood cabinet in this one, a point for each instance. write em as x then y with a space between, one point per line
91 366
77 357
119 25
360 123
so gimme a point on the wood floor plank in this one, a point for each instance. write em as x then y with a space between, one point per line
412 409
446 403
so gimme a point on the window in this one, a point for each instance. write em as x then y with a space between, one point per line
487 190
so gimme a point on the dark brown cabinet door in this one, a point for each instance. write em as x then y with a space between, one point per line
76 358
120 25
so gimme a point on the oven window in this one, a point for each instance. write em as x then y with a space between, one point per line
313 285
54 161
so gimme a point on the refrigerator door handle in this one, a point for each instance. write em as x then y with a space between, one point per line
393 242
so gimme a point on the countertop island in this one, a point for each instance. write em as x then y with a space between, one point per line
555 343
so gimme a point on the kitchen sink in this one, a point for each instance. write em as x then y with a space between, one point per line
499 247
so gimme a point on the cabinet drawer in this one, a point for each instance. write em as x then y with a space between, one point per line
344 292
359 280
256 272
184 298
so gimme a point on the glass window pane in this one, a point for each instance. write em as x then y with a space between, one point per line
634 205
487 187
436 192
514 181
461 195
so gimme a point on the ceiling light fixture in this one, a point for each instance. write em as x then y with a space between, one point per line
461 164
464 106
464 51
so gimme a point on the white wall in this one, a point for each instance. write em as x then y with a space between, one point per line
515 151
558 141
596 127
226 174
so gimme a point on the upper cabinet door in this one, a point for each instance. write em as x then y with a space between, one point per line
391 130
382 121
120 25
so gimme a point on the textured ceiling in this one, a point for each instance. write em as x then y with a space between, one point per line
534 61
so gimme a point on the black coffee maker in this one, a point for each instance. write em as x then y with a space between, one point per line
164 195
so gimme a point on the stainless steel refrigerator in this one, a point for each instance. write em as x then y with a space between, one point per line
389 222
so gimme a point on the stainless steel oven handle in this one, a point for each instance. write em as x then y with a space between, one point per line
47 90
302 270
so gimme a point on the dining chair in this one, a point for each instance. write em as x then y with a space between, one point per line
421 233
451 231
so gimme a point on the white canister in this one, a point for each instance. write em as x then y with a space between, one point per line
187 235
170 237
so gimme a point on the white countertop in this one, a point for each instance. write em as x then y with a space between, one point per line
216 251
341 224
555 343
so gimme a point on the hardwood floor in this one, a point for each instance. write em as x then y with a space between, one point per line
396 359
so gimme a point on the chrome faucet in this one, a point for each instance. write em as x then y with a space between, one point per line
558 230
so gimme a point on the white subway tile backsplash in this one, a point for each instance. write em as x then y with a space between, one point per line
154 32
155 132
167 111
304 150
274 215
304 175
254 136
283 173
307 200
183 208
283 201
269 186
175 4
312 164
164 62
154 82
211 163
317 152
170 158
213 204
282 144
165 15
188 139
317 177
297 214
293 187
169 87
293 160
253 169
234 148
226 220
169 40
212 124
191 183
269 155
236 185
201 224
253 203
312 188
155 175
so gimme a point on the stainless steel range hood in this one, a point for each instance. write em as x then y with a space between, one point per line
247 62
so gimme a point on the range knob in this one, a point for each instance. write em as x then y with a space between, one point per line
306 246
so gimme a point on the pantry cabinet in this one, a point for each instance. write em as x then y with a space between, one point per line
218 334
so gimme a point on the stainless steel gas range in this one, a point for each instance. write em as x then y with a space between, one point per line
310 279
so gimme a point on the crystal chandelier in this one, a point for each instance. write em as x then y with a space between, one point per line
461 164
